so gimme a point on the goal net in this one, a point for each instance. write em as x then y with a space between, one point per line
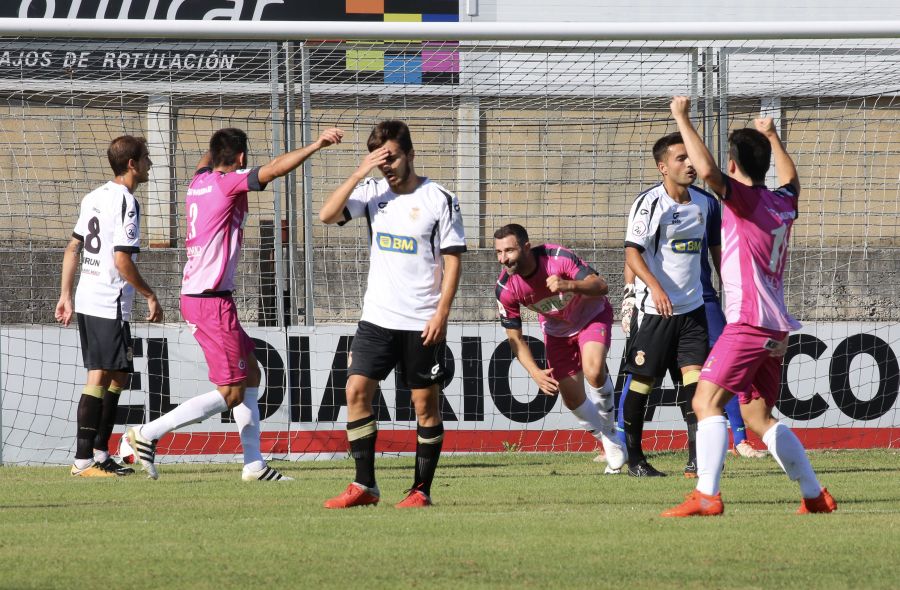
554 135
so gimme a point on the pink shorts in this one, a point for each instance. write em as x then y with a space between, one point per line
215 325
564 353
740 363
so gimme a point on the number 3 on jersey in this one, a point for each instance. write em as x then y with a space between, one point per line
778 246
193 210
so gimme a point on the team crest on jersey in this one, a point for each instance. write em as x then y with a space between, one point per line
414 213
392 243
639 358
131 231
639 228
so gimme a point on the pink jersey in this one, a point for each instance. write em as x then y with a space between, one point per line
756 227
561 314
216 212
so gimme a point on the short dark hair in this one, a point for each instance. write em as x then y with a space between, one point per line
125 148
663 144
512 229
751 151
226 144
390 131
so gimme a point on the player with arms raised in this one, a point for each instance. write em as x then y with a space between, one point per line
109 232
756 226
217 209
576 318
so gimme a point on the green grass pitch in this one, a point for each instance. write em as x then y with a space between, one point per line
510 520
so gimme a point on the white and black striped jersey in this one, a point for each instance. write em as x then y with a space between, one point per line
669 236
110 222
408 234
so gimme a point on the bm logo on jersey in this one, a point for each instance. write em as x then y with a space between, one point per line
686 246
392 243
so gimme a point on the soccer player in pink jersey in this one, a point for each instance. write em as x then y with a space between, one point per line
216 212
746 360
576 318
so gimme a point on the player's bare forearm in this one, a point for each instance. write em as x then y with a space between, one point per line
286 163
436 328
628 274
450 281
700 157
126 267
639 268
69 266
65 307
543 377
784 164
592 286
333 208
715 252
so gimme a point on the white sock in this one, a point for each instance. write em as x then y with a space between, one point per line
83 463
712 444
602 396
194 410
100 456
791 456
246 416
588 418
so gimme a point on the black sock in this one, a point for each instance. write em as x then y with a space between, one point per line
690 418
90 409
633 417
107 419
429 440
362 435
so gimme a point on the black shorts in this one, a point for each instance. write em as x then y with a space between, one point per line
105 344
377 351
658 344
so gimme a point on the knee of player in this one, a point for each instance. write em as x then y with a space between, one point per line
594 373
356 394
233 394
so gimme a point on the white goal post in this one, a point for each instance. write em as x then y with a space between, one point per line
545 124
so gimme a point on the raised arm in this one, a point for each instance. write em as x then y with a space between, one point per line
288 162
520 349
205 161
65 308
332 209
784 165
702 160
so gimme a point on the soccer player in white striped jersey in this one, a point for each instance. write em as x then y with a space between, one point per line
663 243
414 268
107 235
